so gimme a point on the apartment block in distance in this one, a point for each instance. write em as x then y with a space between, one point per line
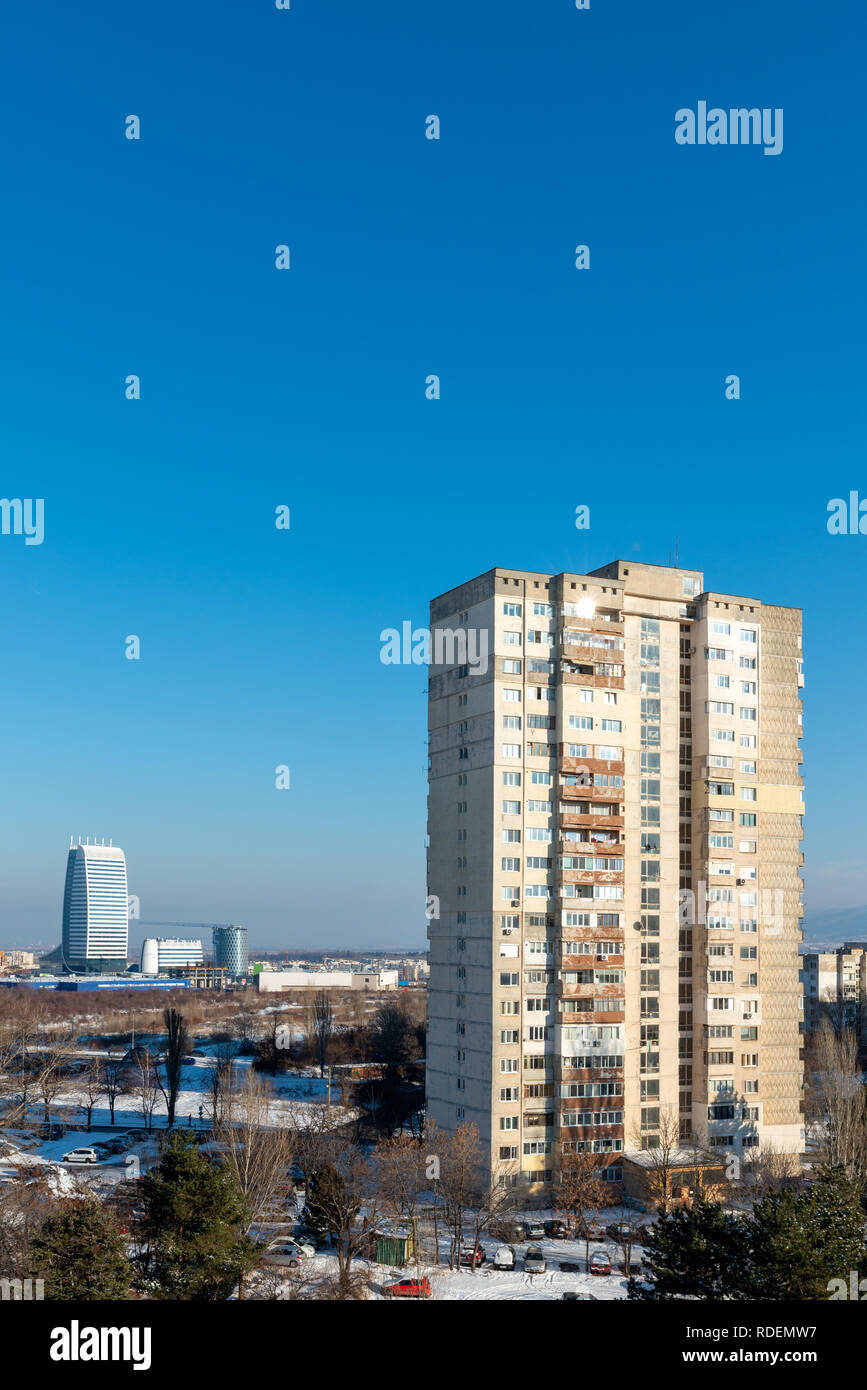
615 820
835 987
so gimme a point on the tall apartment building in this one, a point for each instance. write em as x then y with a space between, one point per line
95 931
835 987
615 817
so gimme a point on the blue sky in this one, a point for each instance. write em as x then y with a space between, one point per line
306 387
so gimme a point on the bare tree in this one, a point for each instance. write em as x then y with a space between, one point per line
460 1162
115 1081
661 1156
581 1192
176 1047
323 1026
92 1083
147 1085
842 1100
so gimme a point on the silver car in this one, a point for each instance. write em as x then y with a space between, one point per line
534 1261
288 1252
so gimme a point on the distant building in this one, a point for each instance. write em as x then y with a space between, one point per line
278 981
230 949
159 953
95 909
835 987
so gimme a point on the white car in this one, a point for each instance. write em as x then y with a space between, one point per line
288 1252
81 1156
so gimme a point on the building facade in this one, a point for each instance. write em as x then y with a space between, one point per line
230 949
95 929
615 818
169 952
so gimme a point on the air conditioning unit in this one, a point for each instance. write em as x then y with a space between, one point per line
516 902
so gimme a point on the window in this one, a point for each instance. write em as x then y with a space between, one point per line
511 837
541 779
543 610
510 866
511 750
748 768
511 694
608 752
748 793
721 629
511 808
612 726
543 807
512 610
541 721
722 682
748 634
747 741
580 721
511 721
747 712
748 687
509 977
539 832
510 1064
719 707
511 668
508 1122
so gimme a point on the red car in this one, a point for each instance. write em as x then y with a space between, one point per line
473 1257
408 1288
599 1263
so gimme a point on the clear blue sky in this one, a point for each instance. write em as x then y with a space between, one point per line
306 387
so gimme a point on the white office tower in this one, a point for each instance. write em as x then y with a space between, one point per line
95 909
169 952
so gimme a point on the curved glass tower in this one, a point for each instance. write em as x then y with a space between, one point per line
95 909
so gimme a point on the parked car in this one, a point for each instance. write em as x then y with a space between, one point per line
581 1297
620 1230
81 1156
591 1230
117 1146
473 1257
556 1230
288 1252
535 1230
534 1260
599 1263
504 1257
408 1288
571 1266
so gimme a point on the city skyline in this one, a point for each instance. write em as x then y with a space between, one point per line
603 387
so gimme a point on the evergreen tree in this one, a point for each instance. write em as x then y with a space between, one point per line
800 1241
193 1215
81 1254
791 1247
692 1253
325 1207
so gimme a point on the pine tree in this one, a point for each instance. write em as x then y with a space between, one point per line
81 1254
193 1215
692 1253
800 1241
